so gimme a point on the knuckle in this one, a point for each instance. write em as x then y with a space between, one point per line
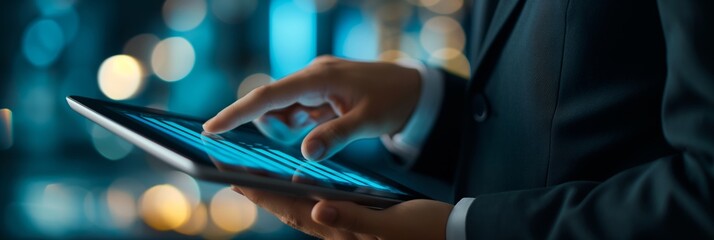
263 93
325 58
330 65
328 69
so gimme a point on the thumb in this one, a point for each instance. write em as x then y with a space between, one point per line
348 216
330 137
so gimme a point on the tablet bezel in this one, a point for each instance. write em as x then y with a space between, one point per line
179 158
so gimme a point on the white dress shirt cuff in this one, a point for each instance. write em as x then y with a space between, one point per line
408 142
456 225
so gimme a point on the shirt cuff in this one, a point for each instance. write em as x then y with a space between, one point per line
456 224
408 142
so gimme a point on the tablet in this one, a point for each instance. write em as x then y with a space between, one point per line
242 157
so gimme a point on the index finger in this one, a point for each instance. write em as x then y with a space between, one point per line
276 95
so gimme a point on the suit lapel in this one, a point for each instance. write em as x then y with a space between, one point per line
501 15
504 11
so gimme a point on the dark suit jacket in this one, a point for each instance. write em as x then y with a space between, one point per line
583 119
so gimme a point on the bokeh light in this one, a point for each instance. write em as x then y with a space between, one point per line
232 11
120 77
140 47
122 207
164 207
443 6
58 197
451 60
442 32
43 42
90 208
428 3
409 44
196 224
108 144
355 36
56 208
187 185
118 205
6 137
231 211
184 15
54 7
293 34
130 185
173 58
446 53
213 231
252 82
392 55
361 43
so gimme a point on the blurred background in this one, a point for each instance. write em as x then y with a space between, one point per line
65 177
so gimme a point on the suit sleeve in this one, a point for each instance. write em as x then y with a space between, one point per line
440 153
670 197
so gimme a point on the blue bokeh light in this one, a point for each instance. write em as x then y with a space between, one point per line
293 33
355 36
43 42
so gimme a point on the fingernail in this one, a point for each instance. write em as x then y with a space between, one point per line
299 118
327 215
206 124
315 150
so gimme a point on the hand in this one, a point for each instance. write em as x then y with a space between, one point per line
345 100
415 219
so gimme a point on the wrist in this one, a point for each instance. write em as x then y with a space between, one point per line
413 85
410 137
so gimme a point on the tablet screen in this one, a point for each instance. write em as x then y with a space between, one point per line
246 151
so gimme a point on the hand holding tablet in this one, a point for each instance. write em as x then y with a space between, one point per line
242 157
345 101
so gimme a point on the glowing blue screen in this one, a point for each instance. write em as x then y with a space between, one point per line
244 151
